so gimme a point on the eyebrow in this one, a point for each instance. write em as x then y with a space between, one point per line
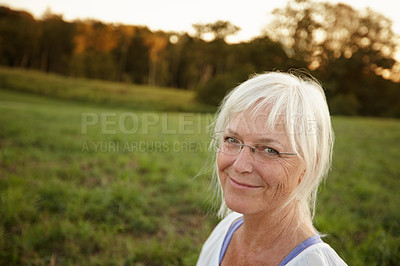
261 140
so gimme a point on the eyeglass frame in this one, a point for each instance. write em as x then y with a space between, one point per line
241 145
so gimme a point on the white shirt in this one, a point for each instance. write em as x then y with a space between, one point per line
320 254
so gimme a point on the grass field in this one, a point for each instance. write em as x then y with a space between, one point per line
84 184
126 95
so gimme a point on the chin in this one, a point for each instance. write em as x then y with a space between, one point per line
238 205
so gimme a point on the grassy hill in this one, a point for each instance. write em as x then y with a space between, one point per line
126 95
85 184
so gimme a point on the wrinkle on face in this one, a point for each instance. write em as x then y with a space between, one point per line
278 177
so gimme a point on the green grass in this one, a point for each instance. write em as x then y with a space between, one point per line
137 97
359 206
79 194
100 205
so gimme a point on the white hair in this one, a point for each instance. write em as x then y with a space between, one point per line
299 103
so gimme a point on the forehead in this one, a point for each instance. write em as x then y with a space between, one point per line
258 125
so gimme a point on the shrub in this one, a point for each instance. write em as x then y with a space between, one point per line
214 90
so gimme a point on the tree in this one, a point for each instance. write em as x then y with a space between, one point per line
216 54
94 43
240 61
19 38
219 30
156 43
189 62
317 32
346 48
56 46
120 53
138 61
265 54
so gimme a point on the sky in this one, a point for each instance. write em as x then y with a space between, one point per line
251 16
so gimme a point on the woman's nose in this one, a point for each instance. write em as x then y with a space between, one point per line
244 161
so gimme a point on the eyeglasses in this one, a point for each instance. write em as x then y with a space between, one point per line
232 146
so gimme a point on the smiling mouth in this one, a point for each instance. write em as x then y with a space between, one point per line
241 185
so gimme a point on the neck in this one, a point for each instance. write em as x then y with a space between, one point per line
275 230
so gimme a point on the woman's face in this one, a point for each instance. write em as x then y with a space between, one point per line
251 186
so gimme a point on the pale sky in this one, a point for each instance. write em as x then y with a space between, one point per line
178 15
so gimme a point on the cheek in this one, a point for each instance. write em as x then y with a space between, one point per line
278 176
290 173
272 174
223 161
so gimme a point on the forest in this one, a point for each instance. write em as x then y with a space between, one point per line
351 52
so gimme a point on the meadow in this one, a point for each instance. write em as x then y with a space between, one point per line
90 183
100 92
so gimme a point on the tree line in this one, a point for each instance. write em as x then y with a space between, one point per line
350 51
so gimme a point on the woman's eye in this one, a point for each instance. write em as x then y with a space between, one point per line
231 140
271 151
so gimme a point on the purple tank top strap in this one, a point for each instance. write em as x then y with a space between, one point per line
228 237
315 239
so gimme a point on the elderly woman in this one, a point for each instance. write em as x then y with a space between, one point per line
274 144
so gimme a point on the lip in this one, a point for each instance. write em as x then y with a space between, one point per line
241 185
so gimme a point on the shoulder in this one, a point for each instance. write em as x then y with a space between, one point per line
318 254
209 254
